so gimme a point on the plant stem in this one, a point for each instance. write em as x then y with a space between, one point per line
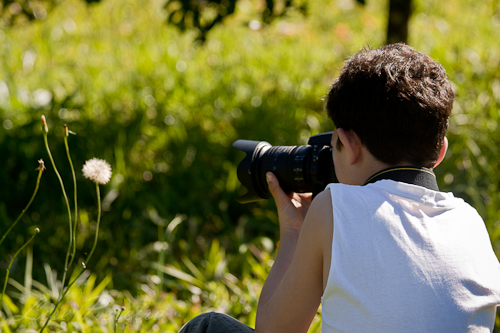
161 258
70 226
27 206
98 222
69 213
118 317
75 195
63 293
12 260
84 264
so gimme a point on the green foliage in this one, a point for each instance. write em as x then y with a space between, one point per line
93 307
89 307
164 111
202 16
14 12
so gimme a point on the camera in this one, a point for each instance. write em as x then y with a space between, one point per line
299 169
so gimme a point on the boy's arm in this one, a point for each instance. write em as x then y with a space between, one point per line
292 292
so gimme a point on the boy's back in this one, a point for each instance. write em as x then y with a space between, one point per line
408 259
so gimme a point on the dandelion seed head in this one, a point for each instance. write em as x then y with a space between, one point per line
97 170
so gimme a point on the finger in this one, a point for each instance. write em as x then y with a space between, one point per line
302 201
280 197
305 196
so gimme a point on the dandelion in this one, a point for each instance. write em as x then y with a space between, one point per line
97 170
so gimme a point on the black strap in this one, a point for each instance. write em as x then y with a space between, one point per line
408 174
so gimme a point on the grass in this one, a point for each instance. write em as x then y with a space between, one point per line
164 111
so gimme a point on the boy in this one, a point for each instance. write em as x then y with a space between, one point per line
383 250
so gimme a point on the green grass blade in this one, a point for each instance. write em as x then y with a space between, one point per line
177 273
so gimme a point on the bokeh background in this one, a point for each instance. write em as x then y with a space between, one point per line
163 105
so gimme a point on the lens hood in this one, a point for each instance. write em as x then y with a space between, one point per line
246 169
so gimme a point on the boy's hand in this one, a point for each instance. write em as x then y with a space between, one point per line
292 208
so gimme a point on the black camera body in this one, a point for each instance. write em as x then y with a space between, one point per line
299 169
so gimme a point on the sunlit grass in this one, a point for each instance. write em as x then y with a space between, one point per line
165 110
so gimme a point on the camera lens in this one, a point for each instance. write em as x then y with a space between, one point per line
289 164
298 168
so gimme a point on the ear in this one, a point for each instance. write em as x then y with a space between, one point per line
351 142
442 153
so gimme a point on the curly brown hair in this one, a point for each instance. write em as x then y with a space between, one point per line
397 100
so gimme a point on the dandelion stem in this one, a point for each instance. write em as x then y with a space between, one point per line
40 171
95 239
75 194
69 214
86 261
12 260
98 221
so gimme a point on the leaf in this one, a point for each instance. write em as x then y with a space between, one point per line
98 290
89 285
172 225
51 280
192 267
28 273
213 257
8 302
177 273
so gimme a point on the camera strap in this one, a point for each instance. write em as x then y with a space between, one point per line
408 174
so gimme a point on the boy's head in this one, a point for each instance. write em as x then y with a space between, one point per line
397 100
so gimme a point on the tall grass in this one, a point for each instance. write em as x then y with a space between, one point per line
99 172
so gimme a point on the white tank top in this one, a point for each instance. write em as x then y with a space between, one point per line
408 259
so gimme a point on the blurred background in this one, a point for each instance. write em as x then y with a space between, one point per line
161 89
